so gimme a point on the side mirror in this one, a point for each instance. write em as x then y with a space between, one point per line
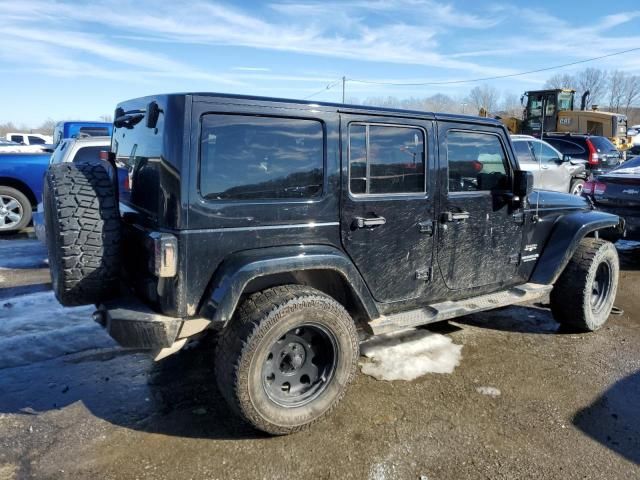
523 183
566 158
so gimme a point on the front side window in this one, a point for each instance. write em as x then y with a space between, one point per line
250 157
523 152
385 159
17 138
477 162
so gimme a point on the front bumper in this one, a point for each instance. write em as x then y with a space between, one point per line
133 324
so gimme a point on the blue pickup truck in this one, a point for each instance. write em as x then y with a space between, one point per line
20 187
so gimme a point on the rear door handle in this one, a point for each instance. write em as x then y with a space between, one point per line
454 217
362 222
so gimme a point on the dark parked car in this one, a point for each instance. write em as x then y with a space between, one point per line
284 226
618 192
599 153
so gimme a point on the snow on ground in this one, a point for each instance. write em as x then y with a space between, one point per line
36 327
22 254
489 391
409 354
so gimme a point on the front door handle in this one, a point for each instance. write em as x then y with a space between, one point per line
454 216
362 222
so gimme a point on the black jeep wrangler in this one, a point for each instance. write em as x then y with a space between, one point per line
285 227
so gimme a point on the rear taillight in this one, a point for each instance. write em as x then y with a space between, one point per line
587 188
599 188
594 158
164 259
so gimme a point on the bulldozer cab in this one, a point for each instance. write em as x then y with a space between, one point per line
543 109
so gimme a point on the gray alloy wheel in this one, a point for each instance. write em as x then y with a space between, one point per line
15 210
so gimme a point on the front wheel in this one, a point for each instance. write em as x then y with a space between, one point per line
583 296
287 357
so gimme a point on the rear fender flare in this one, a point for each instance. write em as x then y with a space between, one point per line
235 273
567 233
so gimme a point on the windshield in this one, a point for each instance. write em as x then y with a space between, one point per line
603 145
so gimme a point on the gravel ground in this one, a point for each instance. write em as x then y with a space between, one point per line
527 400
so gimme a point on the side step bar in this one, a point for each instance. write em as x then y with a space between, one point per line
451 309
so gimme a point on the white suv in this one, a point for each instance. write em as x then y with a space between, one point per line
30 138
551 169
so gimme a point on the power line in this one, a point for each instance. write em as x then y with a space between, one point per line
329 86
495 77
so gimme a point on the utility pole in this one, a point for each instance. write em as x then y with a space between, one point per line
344 82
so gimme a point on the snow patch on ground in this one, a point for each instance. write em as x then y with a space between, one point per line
409 354
489 391
36 327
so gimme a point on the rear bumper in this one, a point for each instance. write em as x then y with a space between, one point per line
134 325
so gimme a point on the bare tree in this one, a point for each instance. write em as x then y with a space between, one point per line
595 81
616 89
484 96
511 105
46 127
560 80
630 92
441 103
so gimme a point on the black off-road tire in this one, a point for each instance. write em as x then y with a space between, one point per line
23 209
83 233
246 345
576 186
583 296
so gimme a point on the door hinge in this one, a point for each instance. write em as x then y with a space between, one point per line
514 259
424 274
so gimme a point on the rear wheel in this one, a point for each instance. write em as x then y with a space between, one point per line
15 210
576 186
583 296
287 357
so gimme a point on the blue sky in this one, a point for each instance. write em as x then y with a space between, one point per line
73 59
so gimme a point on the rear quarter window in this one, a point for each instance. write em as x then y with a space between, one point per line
246 157
566 147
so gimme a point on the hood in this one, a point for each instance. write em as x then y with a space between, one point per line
547 200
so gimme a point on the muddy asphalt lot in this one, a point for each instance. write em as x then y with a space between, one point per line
75 405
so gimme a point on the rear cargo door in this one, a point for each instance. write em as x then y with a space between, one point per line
387 203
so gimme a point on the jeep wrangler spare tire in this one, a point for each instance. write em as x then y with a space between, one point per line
83 232
583 296
286 358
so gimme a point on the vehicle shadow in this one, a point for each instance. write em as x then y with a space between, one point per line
535 319
177 396
613 418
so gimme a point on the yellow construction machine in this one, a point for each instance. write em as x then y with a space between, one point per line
549 111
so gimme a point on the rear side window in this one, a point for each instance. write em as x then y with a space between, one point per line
17 138
566 147
260 158
385 159
477 162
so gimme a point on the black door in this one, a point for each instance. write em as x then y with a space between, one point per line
387 207
479 237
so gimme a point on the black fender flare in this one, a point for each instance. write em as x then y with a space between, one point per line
233 275
567 233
